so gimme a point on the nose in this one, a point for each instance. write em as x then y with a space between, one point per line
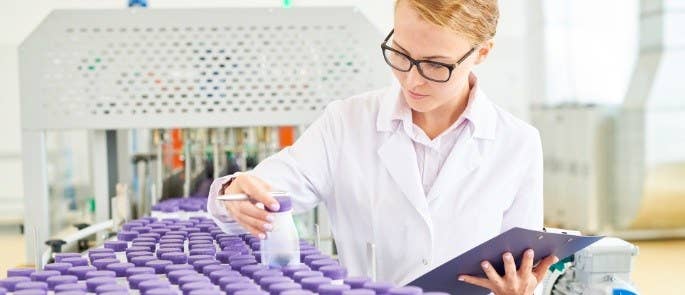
413 78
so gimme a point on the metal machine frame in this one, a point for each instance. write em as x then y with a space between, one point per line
104 70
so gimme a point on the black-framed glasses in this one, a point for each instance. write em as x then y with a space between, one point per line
431 70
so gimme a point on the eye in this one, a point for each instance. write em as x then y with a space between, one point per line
435 66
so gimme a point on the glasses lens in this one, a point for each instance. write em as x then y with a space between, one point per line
434 71
396 60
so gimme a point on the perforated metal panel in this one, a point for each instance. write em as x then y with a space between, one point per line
107 69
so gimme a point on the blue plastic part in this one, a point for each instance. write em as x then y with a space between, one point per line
137 3
623 292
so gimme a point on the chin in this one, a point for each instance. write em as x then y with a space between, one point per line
420 106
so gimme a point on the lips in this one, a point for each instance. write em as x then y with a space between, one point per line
415 95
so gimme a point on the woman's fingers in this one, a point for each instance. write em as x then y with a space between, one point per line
485 283
527 262
257 190
492 274
543 266
251 210
509 265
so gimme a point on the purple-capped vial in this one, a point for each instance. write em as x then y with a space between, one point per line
98 256
134 281
192 279
80 271
178 232
332 289
131 224
110 288
169 240
151 246
152 284
99 251
406 290
305 253
119 268
209 292
258 256
62 267
117 246
11 283
223 281
255 246
268 281
279 288
200 264
100 274
360 292
42 275
101 264
248 270
240 257
177 247
192 259
143 240
142 260
93 283
313 283
71 287
126 236
162 291
131 255
160 231
60 256
191 230
335 272
132 271
356 282
231 289
236 265
212 268
31 292
378 287
174 267
216 275
20 272
176 275
203 251
76 261
187 288
298 276
141 229
158 265
258 275
224 256
317 264
31 285
309 258
175 257
298 292
291 269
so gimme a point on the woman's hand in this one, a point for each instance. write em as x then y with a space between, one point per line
254 219
514 282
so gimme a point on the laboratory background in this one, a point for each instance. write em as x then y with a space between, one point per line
117 115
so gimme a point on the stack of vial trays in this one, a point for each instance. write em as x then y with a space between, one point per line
153 256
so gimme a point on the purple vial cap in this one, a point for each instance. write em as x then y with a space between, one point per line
258 275
31 292
248 270
279 288
214 267
110 288
20 272
192 279
174 276
117 246
58 280
216 275
305 253
207 292
132 271
237 264
359 292
127 235
203 251
332 289
233 280
98 256
101 264
152 284
100 250
289 270
11 283
224 256
134 248
62 267
158 265
309 258
70 287
356 282
93 283
134 281
240 257
284 202
200 264
174 267
268 281
407 290
231 289
196 286
313 283
298 292
162 291
317 264
131 255
31 285
193 258
60 256
175 257
100 274
378 287
335 272
76 261
80 271
142 260
161 251
298 276
120 268
41 275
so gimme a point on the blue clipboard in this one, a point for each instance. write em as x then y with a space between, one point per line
516 240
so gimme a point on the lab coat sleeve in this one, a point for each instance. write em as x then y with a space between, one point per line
526 210
303 169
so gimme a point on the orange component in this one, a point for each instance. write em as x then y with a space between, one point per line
286 136
177 148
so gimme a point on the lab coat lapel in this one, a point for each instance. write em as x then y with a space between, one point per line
463 159
399 158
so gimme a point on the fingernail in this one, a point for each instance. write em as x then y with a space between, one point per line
268 226
485 265
461 279
556 259
275 206
262 236
269 218
508 256
530 253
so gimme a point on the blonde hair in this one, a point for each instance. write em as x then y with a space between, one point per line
475 19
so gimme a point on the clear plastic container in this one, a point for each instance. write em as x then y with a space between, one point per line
282 244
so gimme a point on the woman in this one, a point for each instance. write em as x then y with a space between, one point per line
425 170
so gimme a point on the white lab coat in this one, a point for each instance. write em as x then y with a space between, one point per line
363 168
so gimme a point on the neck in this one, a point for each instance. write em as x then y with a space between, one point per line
434 122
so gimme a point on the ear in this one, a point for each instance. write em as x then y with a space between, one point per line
484 50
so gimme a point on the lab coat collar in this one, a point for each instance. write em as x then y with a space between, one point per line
480 111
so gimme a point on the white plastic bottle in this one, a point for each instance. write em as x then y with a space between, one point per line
282 244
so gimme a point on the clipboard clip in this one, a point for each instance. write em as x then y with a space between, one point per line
561 231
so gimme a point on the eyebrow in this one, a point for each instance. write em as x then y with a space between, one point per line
427 57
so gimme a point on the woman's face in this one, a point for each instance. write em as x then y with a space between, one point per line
422 40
